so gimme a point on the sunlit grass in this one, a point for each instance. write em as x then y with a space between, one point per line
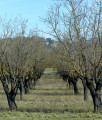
49 69
49 116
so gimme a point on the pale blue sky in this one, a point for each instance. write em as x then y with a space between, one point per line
27 9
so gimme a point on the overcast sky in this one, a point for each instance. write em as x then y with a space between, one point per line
27 9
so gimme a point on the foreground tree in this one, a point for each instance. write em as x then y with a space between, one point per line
77 27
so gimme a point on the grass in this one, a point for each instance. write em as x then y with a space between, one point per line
49 116
48 69
51 100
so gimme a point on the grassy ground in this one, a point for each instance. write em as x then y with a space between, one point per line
48 69
51 100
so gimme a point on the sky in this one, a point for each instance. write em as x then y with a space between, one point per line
26 9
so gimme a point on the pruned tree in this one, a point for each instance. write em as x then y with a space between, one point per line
21 59
77 26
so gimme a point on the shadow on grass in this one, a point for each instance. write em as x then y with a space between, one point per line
53 89
44 110
54 94
4 109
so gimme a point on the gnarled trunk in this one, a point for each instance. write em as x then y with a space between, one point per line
85 93
85 89
69 82
74 82
10 94
21 92
11 101
95 93
26 86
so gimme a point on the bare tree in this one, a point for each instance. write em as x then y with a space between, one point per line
21 59
77 27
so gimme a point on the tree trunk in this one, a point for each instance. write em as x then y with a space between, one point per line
85 93
12 94
69 83
85 89
26 87
97 104
96 95
74 82
21 92
11 101
34 84
97 101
